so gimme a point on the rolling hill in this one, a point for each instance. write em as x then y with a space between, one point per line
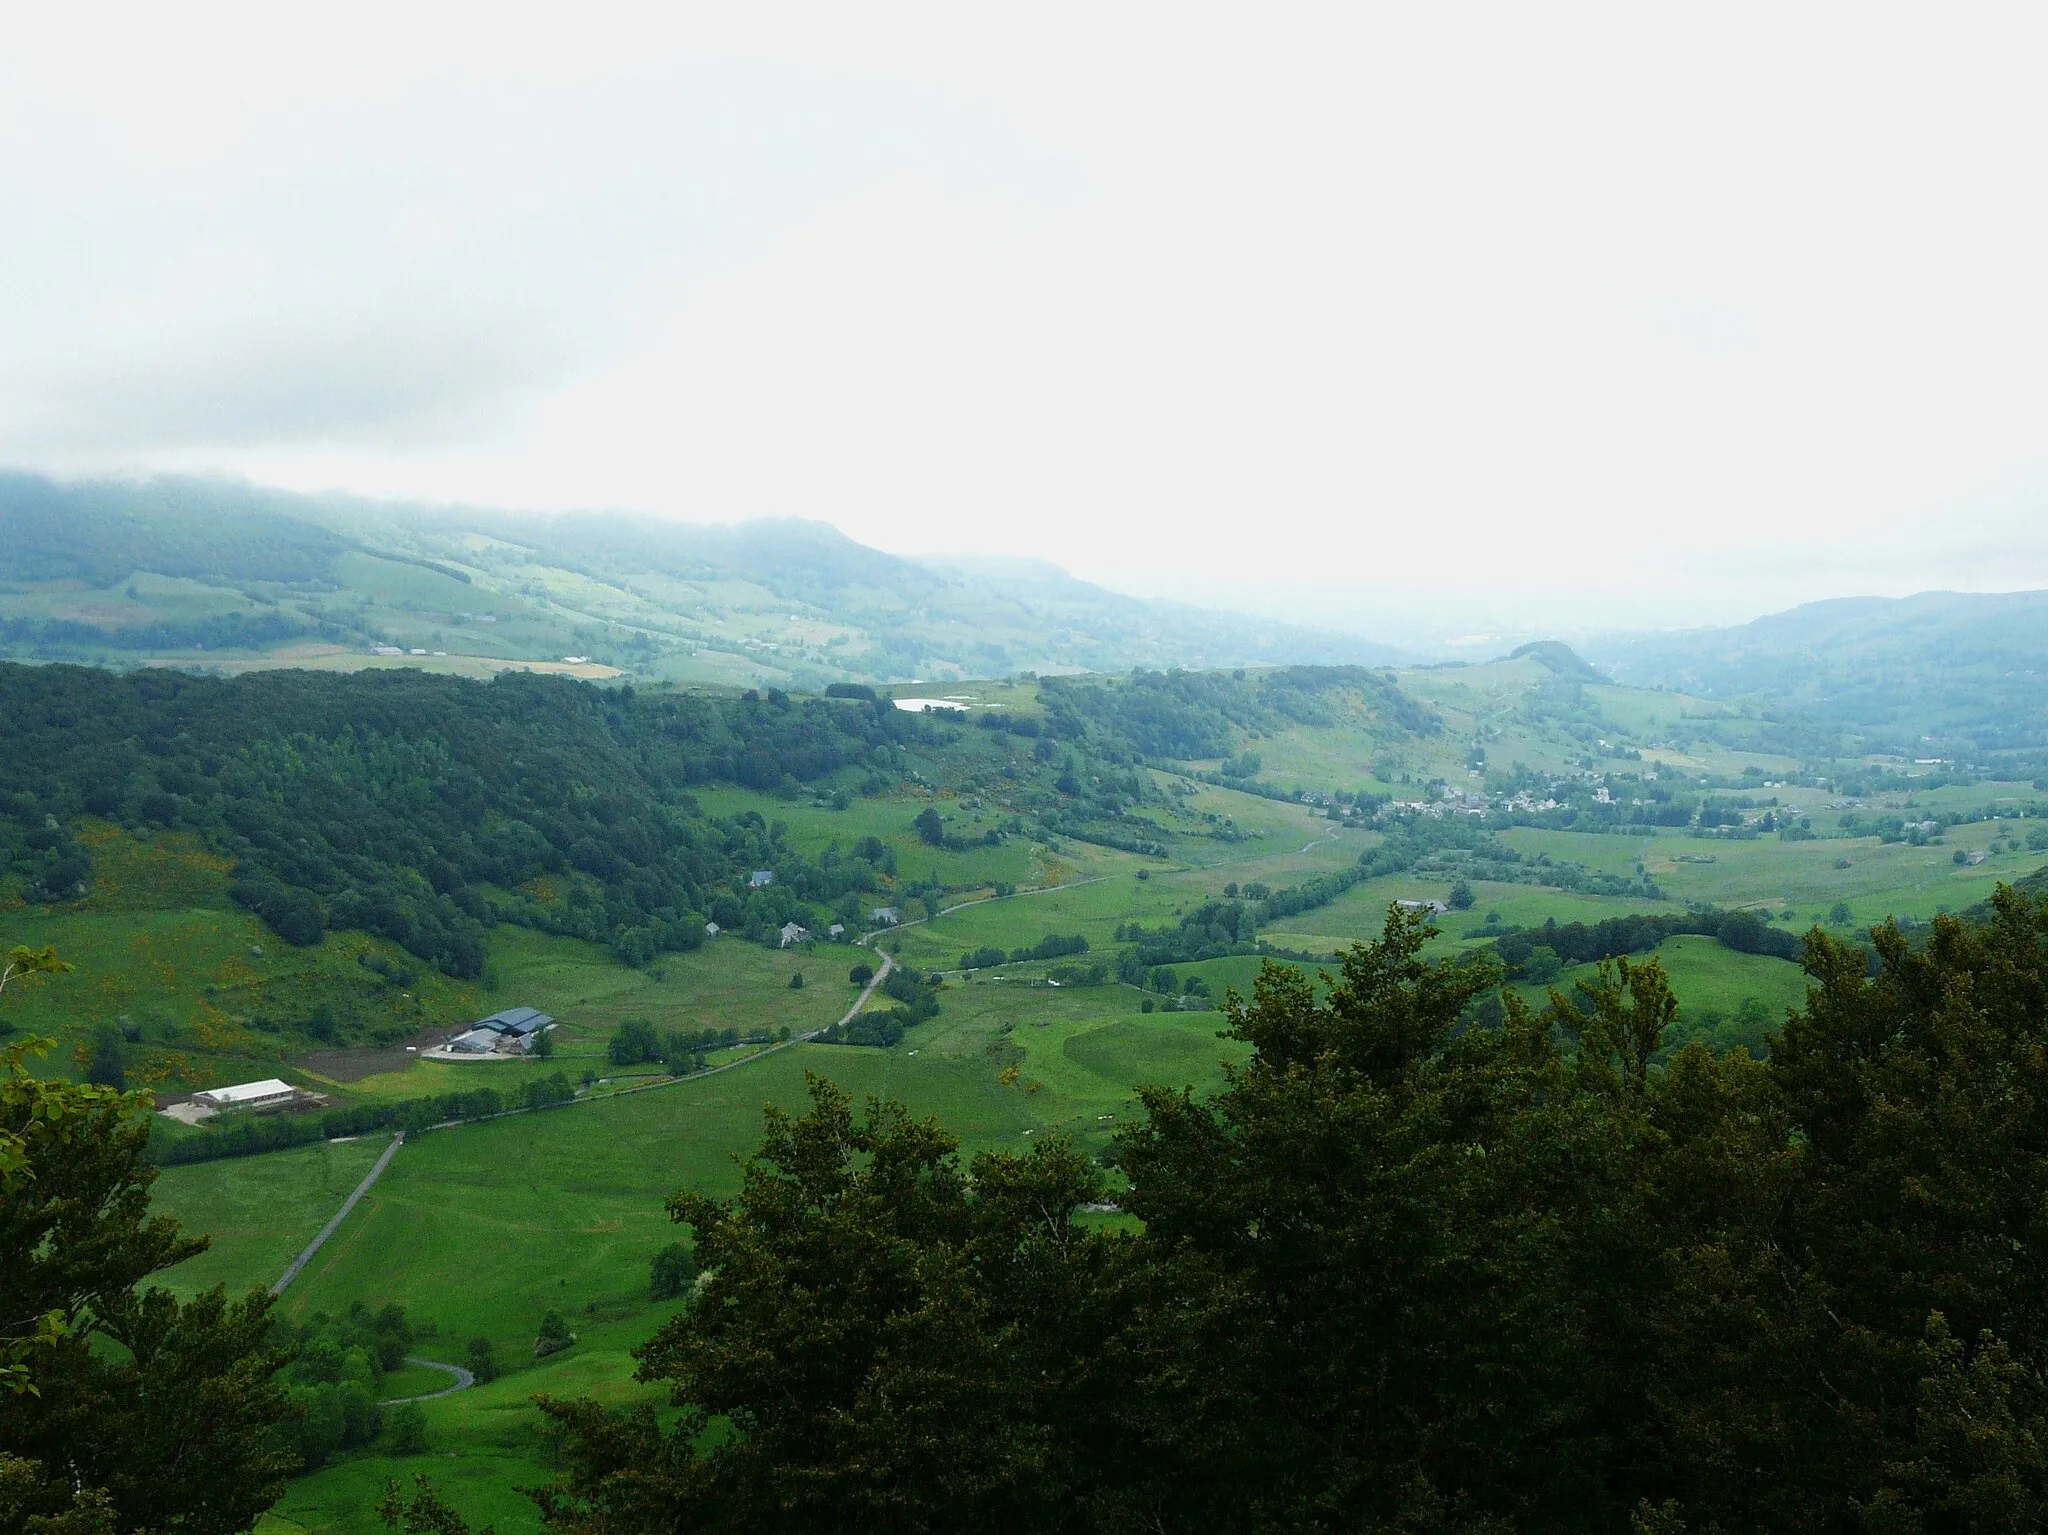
1936 674
231 577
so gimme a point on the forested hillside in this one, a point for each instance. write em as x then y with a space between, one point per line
426 809
1192 715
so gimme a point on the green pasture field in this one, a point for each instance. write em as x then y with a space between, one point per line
416 589
1329 758
1342 756
1598 851
1992 794
156 599
1012 697
259 1211
1880 880
1254 814
1282 842
1087 1048
1646 715
1361 912
1312 846
728 983
715 668
483 1444
1267 825
1705 975
415 1380
418 607
158 943
812 829
1092 908
1523 906
564 1208
1485 704
581 598
1237 973
1485 689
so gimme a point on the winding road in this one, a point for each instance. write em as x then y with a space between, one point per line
464 1379
860 1001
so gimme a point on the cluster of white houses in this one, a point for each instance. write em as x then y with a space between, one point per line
796 932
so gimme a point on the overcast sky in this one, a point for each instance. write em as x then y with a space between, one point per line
1407 318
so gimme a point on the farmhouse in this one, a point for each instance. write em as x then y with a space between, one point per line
711 930
836 930
885 916
270 1093
510 1032
791 933
760 879
1430 908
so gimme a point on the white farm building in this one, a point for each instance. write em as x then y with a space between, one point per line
267 1094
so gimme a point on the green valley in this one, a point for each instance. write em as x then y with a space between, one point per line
318 876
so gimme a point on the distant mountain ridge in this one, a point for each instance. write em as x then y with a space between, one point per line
770 602
1938 672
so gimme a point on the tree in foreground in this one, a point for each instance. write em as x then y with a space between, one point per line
886 1336
1404 1274
122 1409
1421 1276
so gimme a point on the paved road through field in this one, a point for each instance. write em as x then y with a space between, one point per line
376 1171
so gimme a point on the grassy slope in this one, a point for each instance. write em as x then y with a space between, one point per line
479 1231
159 943
1706 977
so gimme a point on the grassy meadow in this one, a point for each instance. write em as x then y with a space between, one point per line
481 1229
